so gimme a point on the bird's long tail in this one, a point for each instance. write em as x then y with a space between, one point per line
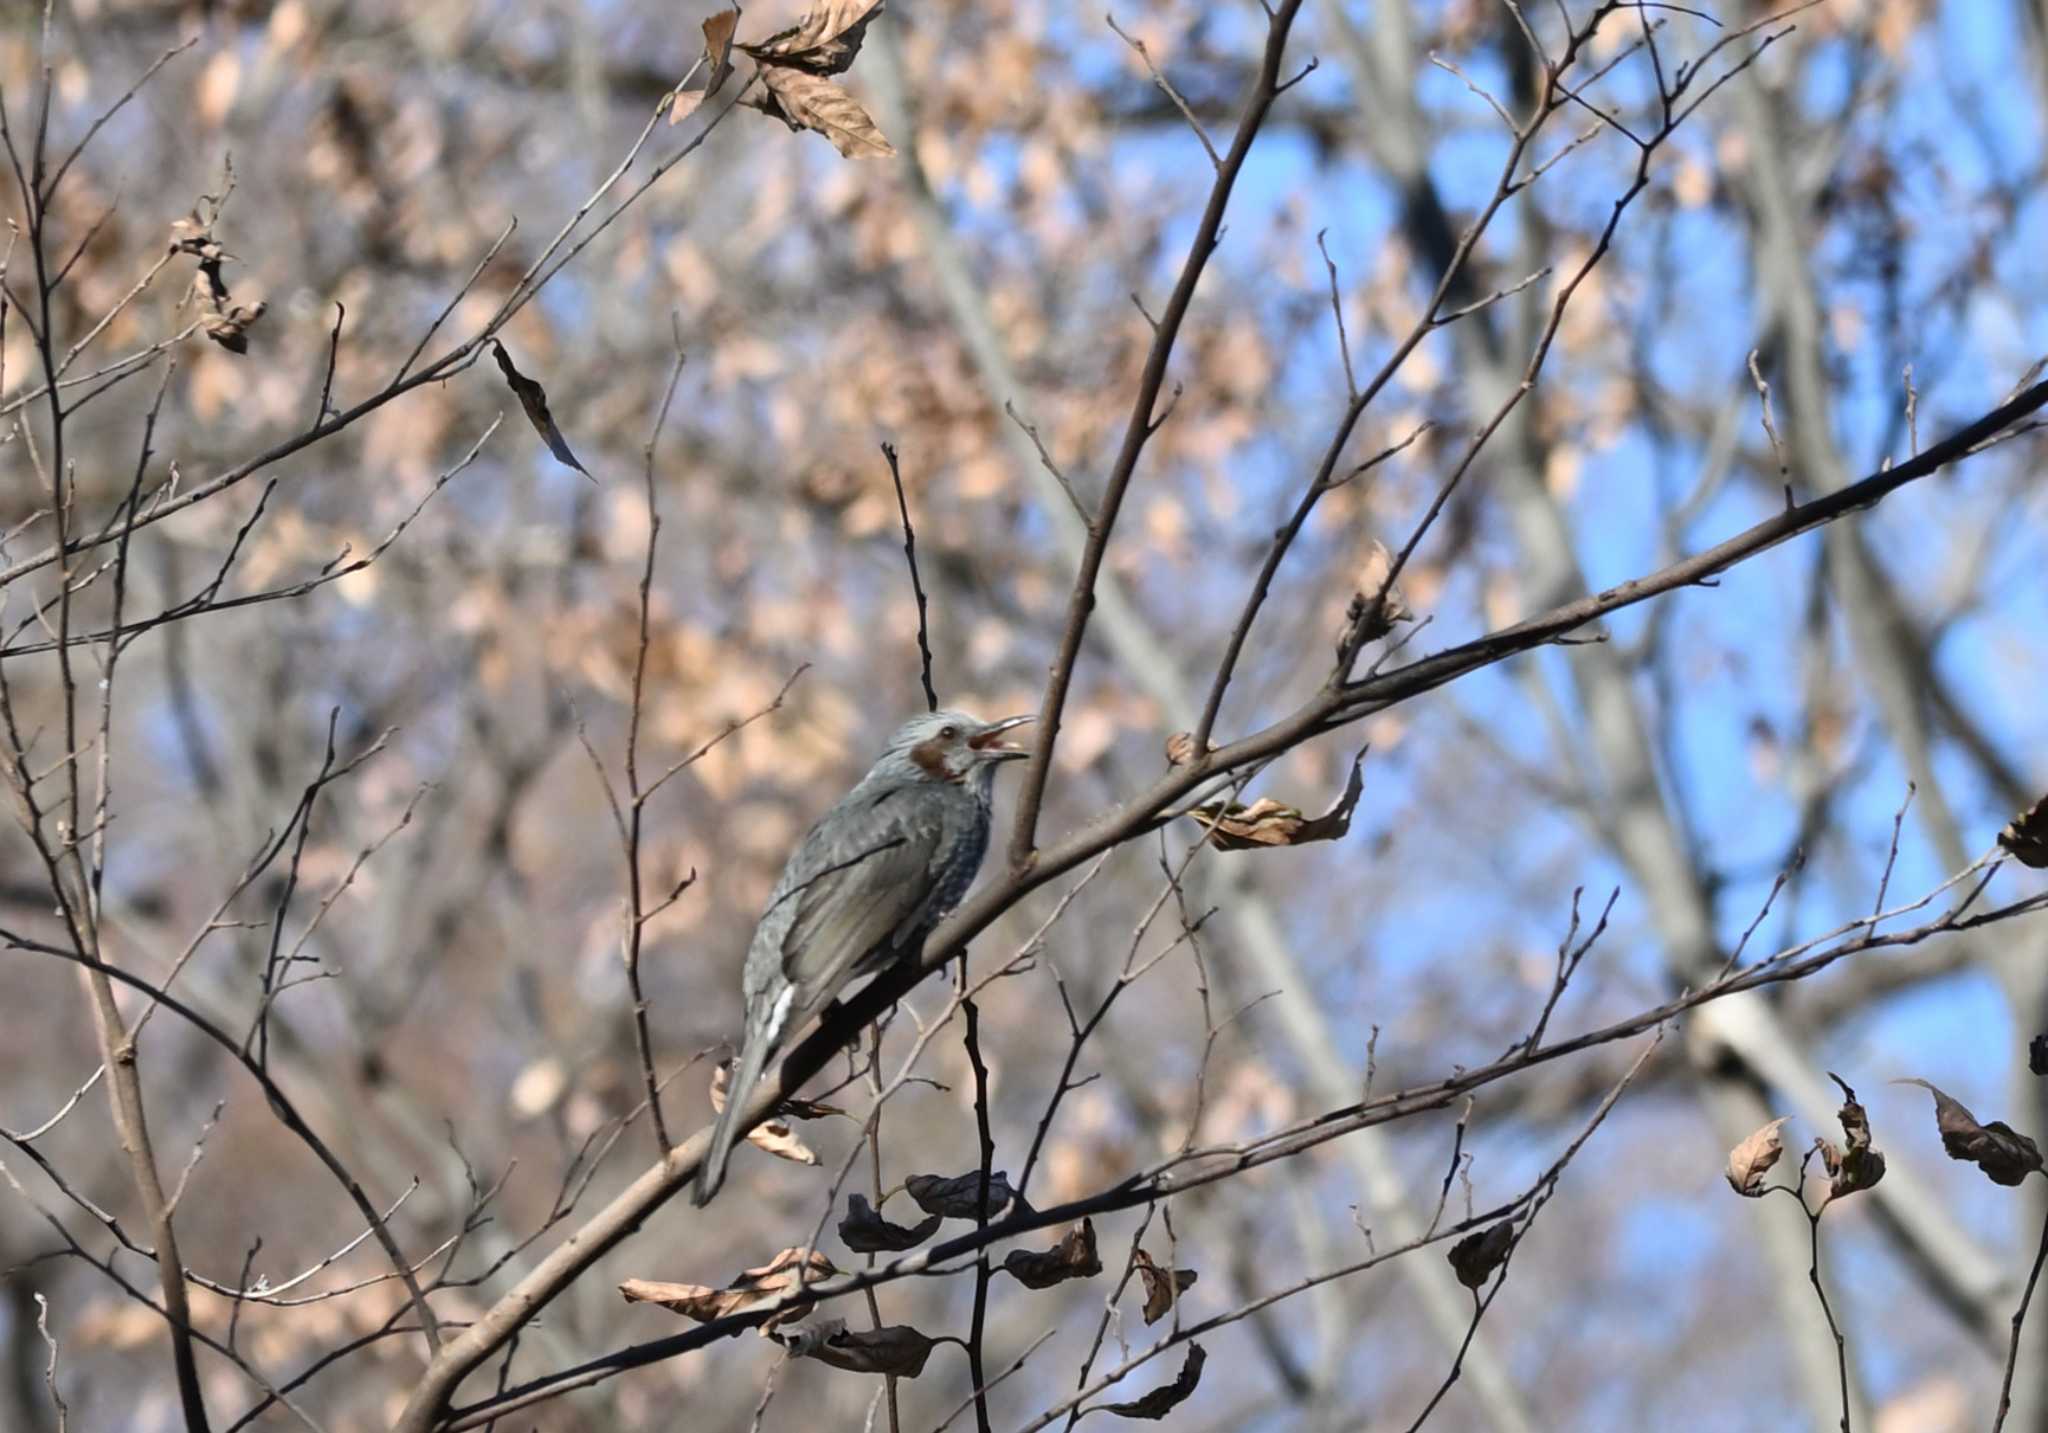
754 1057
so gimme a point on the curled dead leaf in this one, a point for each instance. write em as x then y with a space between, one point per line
225 322
959 1197
774 1136
2004 1154
534 399
1855 1166
1180 748
865 1231
230 327
1165 1398
1474 1257
1373 612
897 1350
824 42
2026 836
1751 1160
1268 823
1163 1287
753 1288
1074 1257
718 30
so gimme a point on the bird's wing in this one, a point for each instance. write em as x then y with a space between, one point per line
864 888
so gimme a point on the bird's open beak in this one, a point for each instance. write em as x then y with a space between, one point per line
988 741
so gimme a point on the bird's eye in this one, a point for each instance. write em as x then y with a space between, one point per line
947 733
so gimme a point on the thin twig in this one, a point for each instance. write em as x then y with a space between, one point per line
924 644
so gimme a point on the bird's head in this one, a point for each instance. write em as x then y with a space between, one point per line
954 747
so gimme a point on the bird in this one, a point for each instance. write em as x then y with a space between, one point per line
863 889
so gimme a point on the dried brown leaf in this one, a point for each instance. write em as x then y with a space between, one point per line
2004 1154
1268 823
1165 1398
1856 1166
534 399
2026 836
1074 1257
958 1197
718 56
803 100
865 1231
824 42
1372 615
1163 1287
772 1135
1474 1257
1751 1160
230 327
751 1289
894 1349
1180 748
778 1139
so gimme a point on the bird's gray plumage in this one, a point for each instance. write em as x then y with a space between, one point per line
863 888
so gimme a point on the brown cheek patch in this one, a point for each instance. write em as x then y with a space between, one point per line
931 757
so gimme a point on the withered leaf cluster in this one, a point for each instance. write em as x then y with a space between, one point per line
1267 822
1474 1257
1165 1398
224 321
2026 836
1163 1287
534 399
2004 1154
787 1271
1854 1165
865 1231
795 70
1074 1257
959 1196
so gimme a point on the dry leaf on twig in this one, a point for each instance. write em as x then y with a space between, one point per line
894 1349
2004 1154
750 1290
1165 1398
772 1135
1268 823
1856 1166
2026 836
718 30
824 42
1474 1257
795 67
1751 1160
1163 1287
865 1231
227 324
534 399
803 100
1074 1257
959 1196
